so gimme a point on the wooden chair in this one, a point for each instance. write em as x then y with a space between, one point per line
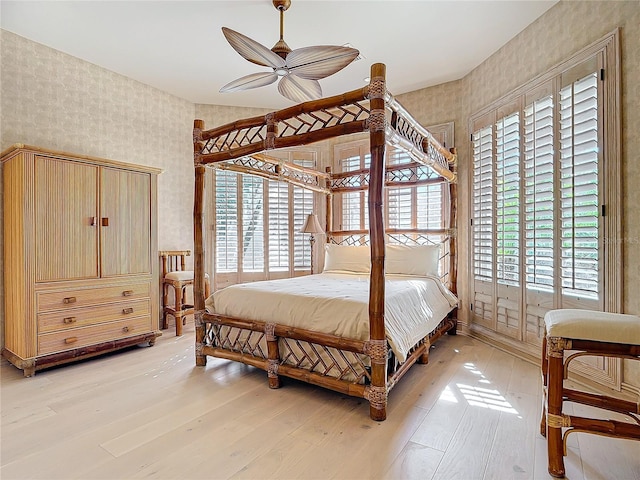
584 332
175 276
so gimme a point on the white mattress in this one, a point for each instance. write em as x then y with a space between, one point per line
338 304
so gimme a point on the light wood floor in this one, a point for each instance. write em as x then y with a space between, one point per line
472 413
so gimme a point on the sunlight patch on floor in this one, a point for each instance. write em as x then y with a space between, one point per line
477 396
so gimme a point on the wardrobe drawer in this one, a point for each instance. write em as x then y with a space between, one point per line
79 317
83 336
47 301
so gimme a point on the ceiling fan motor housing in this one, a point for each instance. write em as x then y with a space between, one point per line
282 4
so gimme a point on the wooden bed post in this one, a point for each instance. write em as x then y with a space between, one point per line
453 237
329 206
377 344
198 244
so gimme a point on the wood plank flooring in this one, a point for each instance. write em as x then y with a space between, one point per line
472 413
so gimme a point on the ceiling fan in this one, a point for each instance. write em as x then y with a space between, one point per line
298 70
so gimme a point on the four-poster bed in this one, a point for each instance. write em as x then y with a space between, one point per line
365 364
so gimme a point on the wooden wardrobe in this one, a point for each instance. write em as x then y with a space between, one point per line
80 256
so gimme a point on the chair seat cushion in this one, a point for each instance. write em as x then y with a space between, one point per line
592 325
182 275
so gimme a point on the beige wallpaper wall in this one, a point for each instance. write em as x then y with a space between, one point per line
53 100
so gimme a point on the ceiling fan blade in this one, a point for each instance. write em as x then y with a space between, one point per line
299 89
318 62
247 82
252 50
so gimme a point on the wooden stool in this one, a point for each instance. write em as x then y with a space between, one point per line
175 276
584 332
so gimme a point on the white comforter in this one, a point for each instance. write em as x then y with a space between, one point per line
338 304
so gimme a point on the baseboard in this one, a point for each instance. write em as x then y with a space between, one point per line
528 353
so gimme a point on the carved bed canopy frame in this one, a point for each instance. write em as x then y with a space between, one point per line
237 146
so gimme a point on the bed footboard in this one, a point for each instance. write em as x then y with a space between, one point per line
336 363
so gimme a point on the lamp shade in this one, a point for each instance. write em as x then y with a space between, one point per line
312 225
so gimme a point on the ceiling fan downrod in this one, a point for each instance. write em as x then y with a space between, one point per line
281 48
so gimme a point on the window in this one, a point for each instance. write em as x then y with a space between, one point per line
418 206
257 223
542 172
355 213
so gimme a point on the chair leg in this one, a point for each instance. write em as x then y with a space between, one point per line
555 446
165 301
178 310
544 369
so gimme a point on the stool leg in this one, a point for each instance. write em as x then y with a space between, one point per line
178 310
554 406
544 368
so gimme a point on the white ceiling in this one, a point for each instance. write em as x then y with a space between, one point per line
178 46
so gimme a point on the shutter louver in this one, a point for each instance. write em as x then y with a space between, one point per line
483 204
539 178
579 187
508 200
278 226
252 224
226 221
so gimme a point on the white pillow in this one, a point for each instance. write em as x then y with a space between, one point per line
344 258
419 260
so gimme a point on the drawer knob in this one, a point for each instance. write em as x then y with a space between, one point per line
69 300
68 320
127 293
125 329
70 340
127 310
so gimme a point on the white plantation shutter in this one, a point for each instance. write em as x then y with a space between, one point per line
302 207
508 200
483 204
396 156
226 237
355 213
399 207
350 164
272 214
539 178
429 205
545 202
351 211
278 216
252 224
579 187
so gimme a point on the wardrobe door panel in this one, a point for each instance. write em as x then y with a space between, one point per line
125 222
66 231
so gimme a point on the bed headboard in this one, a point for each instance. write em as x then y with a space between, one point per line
441 238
